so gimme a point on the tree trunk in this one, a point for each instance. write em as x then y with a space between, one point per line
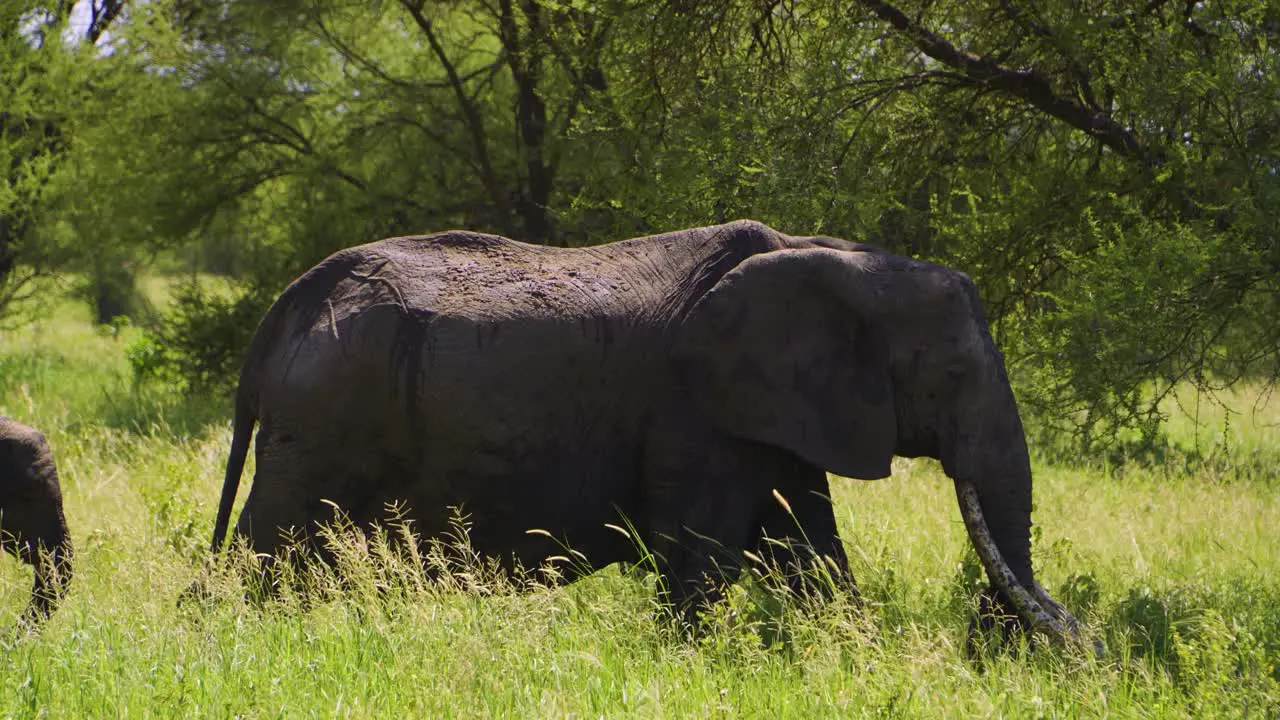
524 55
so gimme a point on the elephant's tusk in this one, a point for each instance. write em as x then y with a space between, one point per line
1072 624
1054 621
1041 595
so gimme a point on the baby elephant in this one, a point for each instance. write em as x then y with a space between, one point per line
32 527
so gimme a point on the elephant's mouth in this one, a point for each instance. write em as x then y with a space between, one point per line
1033 605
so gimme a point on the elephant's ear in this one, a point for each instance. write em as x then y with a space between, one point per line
784 350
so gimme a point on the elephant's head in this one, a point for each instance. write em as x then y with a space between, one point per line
848 358
32 525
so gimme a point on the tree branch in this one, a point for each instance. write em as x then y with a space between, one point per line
1035 27
474 121
101 14
1026 85
370 66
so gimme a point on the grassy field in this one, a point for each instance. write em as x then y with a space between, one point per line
1175 565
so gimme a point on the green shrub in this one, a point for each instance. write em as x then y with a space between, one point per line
200 341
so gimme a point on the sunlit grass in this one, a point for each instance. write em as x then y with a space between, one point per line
1178 572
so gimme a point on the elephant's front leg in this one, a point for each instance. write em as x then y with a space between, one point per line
703 554
702 508
52 563
35 532
798 542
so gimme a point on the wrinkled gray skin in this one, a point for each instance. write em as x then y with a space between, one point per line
32 527
675 381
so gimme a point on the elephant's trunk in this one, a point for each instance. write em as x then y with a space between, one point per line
991 468
1014 580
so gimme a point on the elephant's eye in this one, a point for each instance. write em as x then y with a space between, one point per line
956 372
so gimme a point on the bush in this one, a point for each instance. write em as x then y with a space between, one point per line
200 341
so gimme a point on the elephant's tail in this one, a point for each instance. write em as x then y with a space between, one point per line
241 432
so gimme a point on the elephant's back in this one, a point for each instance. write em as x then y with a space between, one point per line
479 314
23 446
490 279
12 431
414 276
458 274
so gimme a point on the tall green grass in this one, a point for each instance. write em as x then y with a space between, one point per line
1174 564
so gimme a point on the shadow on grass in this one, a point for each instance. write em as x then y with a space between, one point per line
1190 630
1165 456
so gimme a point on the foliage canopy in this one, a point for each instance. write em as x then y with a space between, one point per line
1109 173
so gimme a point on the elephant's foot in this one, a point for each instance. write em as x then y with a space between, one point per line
804 571
994 619
196 595
683 597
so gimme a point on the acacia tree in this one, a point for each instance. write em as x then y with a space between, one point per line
418 114
264 138
1160 123
30 137
1106 173
41 85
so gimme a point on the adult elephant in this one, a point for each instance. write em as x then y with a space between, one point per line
32 527
675 384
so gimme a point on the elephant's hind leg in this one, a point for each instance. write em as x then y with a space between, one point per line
283 513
